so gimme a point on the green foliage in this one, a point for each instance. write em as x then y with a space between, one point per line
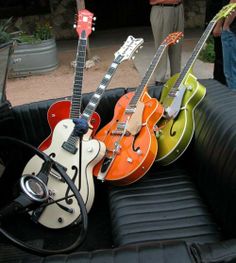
208 54
41 32
29 39
5 36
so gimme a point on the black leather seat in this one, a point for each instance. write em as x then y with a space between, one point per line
191 202
164 205
146 253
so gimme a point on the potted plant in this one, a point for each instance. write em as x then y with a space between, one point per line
34 54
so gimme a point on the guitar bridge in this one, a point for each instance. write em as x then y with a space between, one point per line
116 132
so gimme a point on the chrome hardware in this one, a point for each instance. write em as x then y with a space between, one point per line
130 111
190 87
116 132
139 152
90 149
121 125
34 188
129 160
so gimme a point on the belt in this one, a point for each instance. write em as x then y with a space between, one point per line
174 5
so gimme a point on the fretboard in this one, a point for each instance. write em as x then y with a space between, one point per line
147 75
94 101
193 58
78 79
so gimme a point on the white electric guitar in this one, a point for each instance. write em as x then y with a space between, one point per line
77 156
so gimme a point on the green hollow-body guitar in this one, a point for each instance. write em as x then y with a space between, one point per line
176 133
180 97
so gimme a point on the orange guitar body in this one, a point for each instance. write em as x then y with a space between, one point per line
137 152
60 111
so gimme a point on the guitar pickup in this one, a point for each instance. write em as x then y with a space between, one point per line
69 147
121 126
130 111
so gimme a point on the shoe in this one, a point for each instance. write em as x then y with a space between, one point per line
159 83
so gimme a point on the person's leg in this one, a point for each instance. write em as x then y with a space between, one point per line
157 23
229 57
233 63
162 25
218 72
176 50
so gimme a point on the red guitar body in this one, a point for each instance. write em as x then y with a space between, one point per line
61 111
129 164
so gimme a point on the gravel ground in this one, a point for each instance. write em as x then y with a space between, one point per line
59 82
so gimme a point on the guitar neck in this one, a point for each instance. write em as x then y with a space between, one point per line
94 101
147 75
78 79
193 58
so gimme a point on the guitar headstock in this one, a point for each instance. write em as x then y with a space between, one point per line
173 38
84 23
130 46
227 10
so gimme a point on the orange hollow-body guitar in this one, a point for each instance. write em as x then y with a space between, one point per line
129 138
60 111
131 150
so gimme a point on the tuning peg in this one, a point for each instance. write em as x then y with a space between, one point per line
74 26
136 51
133 57
93 28
94 18
141 47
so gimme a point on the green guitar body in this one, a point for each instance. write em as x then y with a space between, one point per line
175 134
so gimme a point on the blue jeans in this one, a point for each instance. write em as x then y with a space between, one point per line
228 39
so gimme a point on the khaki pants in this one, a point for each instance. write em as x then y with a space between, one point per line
166 20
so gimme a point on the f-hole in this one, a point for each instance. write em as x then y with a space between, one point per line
135 137
68 200
172 133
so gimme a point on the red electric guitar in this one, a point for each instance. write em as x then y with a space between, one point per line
129 137
72 108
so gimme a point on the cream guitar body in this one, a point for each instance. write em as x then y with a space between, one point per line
65 212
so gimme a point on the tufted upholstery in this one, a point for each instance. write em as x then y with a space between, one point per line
214 152
163 206
137 211
146 253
